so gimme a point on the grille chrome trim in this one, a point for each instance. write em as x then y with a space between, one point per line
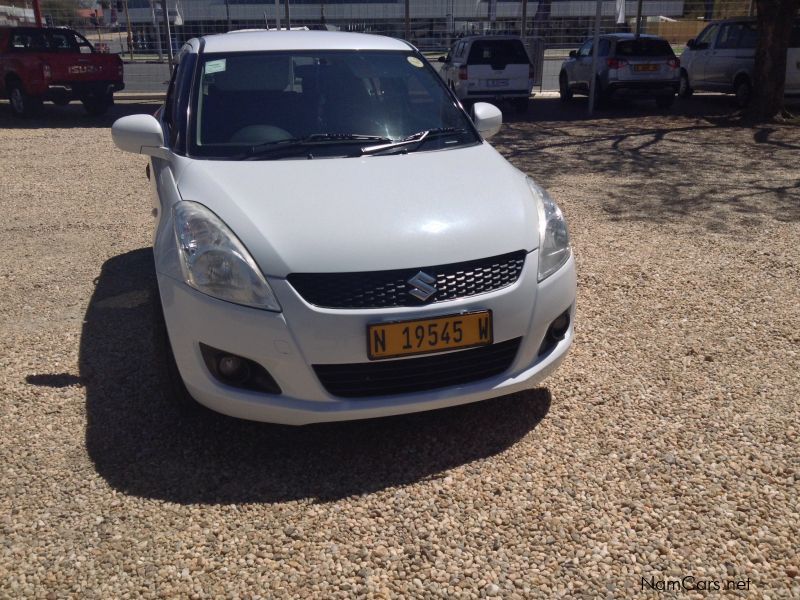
386 289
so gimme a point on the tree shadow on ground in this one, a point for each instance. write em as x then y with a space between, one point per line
144 443
699 164
72 116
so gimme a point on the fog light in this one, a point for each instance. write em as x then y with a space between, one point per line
232 367
238 371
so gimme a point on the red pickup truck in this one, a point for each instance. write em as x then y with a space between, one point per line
56 64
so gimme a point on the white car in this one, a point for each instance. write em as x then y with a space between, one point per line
335 240
489 67
722 59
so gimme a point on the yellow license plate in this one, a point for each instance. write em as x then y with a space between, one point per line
649 68
404 338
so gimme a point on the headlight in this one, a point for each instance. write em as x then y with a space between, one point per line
553 236
215 262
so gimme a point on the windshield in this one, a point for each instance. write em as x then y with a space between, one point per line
245 101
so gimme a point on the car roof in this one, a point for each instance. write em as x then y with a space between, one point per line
630 36
473 38
248 41
733 20
29 28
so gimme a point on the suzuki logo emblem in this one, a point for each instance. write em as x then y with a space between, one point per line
422 286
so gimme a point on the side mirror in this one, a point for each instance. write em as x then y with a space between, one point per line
487 118
140 134
573 53
690 43
442 59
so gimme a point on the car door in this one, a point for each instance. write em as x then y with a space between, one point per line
445 69
582 68
486 65
517 70
700 53
730 54
451 66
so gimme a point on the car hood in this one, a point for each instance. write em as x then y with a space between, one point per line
369 213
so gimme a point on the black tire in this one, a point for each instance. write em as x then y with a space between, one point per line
665 101
22 104
520 105
563 87
685 90
743 91
97 104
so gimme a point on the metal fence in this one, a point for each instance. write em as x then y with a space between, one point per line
137 29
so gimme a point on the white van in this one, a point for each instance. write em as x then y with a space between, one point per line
722 57
489 68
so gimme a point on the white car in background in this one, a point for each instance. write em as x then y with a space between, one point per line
722 58
335 239
489 67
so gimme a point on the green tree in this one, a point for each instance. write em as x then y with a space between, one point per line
775 19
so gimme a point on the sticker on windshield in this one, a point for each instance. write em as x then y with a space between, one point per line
215 66
415 61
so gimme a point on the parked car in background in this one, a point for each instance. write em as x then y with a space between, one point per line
56 64
336 240
722 58
489 67
627 65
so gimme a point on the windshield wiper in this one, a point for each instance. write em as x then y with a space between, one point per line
290 145
415 139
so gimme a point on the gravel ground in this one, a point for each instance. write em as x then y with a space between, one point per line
667 444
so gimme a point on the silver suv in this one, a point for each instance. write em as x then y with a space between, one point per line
628 65
722 57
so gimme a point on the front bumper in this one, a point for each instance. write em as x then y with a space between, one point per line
643 88
80 89
288 343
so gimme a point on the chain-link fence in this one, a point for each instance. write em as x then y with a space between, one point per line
144 36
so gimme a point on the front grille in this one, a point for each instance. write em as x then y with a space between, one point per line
359 380
381 289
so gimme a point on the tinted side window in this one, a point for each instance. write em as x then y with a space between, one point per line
586 49
708 35
749 38
731 36
604 47
83 44
61 41
27 41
